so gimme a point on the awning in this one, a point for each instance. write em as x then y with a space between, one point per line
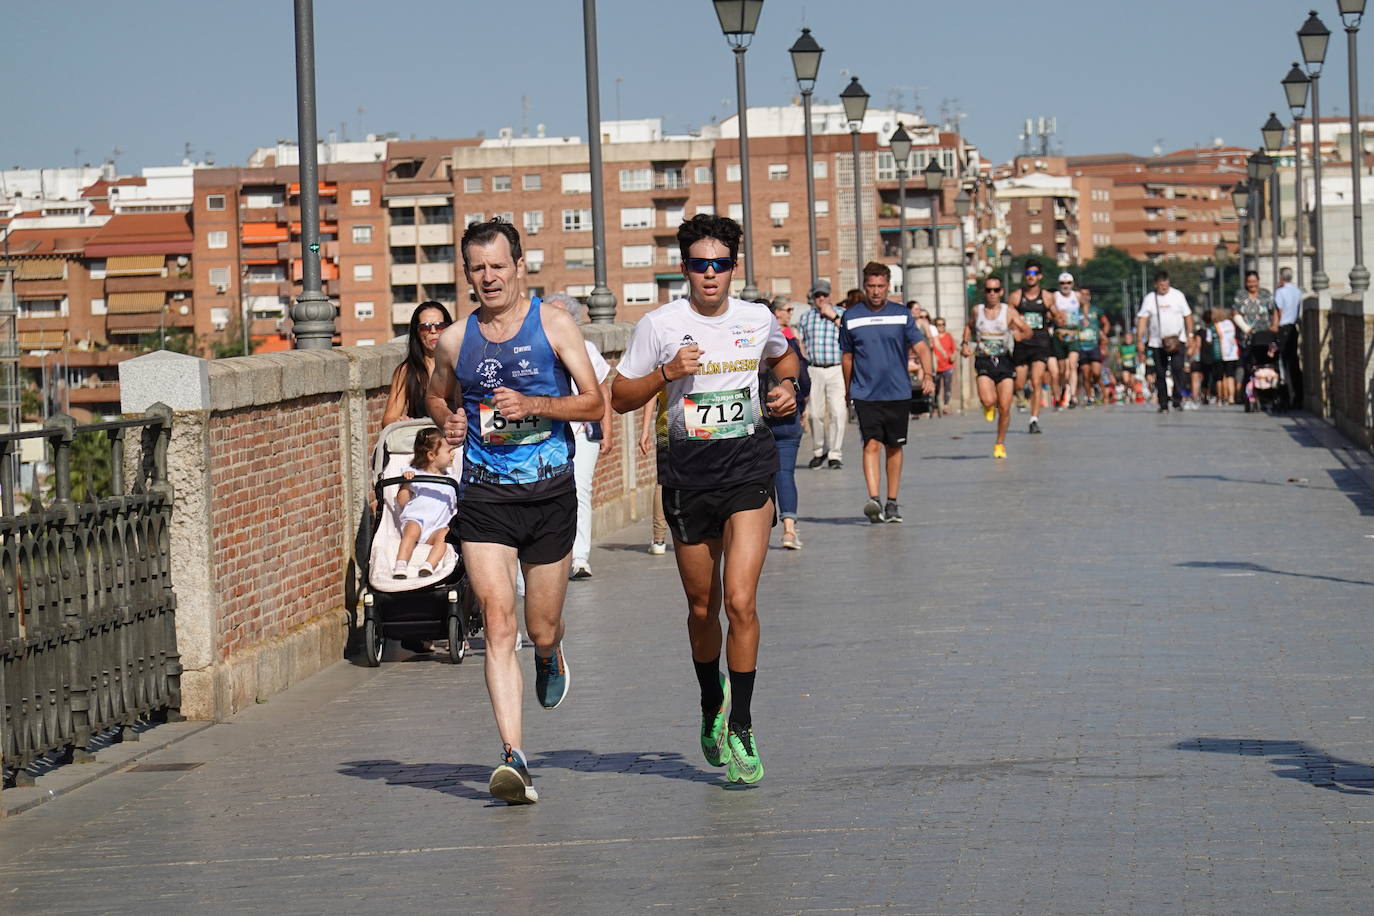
58 293
41 340
134 265
324 227
135 303
263 233
41 269
329 270
326 189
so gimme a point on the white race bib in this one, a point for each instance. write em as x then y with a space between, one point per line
718 414
497 430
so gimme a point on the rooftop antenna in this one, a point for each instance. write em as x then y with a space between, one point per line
76 157
618 81
361 111
524 116
114 158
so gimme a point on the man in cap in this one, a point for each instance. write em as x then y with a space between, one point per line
819 329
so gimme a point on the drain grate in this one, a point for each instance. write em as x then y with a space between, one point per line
164 767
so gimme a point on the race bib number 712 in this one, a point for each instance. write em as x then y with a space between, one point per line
718 414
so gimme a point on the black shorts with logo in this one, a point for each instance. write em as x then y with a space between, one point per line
996 368
886 421
700 515
1037 349
541 531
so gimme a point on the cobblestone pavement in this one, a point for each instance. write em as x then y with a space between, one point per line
1126 671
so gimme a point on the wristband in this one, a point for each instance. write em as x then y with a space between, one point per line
663 372
796 385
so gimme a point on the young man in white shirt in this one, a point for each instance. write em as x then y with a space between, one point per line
1166 324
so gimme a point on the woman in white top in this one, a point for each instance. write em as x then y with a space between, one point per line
995 323
1228 336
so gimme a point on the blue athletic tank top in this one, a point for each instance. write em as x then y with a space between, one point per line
513 460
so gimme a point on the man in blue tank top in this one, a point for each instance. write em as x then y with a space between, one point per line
509 367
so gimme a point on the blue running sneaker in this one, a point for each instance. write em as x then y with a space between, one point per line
551 678
713 729
511 782
745 765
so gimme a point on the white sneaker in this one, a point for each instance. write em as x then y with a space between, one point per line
658 548
400 570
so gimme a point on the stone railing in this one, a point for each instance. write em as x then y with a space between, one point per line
1338 361
270 464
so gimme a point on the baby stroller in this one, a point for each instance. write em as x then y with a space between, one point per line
1265 383
438 606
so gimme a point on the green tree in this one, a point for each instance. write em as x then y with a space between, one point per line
178 341
30 403
88 469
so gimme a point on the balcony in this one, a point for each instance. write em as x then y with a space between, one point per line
177 282
405 274
433 234
408 236
401 312
433 273
102 392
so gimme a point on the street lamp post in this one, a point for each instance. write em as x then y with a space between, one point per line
1219 258
934 177
855 102
1260 168
962 204
601 303
1272 132
738 20
901 152
1312 39
1209 273
1240 200
806 64
312 317
1006 257
1295 88
1351 13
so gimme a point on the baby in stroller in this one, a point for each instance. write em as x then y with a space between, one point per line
1262 392
426 508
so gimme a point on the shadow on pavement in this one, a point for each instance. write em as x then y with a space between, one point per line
469 781
1344 481
1294 760
1245 566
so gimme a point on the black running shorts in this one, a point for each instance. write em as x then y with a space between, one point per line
1037 349
1059 347
996 368
541 531
886 421
1089 356
700 515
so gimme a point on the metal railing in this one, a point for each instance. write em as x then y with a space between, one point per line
87 614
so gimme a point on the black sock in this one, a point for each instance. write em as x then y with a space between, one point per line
741 695
708 676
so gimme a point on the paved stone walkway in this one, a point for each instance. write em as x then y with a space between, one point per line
1126 671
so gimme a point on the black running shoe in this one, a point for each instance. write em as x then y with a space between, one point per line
816 462
1034 426
835 464
891 513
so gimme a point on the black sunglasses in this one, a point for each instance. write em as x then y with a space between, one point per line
701 265
433 325
992 289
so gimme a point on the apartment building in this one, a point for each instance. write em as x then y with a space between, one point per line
1039 204
247 260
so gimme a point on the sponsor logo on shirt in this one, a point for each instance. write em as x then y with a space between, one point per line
876 320
489 372
729 365
521 349
525 369
745 337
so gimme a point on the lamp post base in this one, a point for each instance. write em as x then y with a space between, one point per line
749 293
601 305
1320 281
312 320
1359 278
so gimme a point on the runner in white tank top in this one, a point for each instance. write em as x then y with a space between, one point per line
1067 302
995 323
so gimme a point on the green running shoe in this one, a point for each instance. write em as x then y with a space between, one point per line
745 765
713 730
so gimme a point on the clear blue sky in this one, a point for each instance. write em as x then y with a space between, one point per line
150 76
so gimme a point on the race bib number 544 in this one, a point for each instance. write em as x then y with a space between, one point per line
497 430
719 414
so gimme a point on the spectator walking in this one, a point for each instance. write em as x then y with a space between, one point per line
1202 352
1253 313
787 432
1228 348
1165 322
1287 309
942 345
658 545
819 330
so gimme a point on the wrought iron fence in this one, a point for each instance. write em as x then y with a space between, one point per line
87 614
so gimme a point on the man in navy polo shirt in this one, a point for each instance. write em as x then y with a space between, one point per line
876 337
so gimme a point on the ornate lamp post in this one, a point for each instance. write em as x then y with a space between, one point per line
962 205
738 20
1006 257
934 177
1295 88
1312 39
312 317
1209 273
1272 132
1219 258
1260 168
601 303
1351 13
901 153
855 102
806 64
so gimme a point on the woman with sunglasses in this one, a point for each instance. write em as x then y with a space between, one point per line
995 323
411 378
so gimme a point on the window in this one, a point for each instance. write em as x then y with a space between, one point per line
472 184
258 198
671 178
402 216
887 166
577 182
636 179
534 221
438 254
500 183
822 208
706 208
96 268
637 256
470 218
777 171
405 293
219 277
266 273
578 258
404 255
640 293
782 286
505 216
42 308
1037 248
534 260
673 216
214 202
219 318
636 217
819 170
362 272
703 174
671 256
1035 228
577 220
441 215
217 239
782 249
778 211
444 292
736 212
732 172
98 307
363 310
822 245
361 197
532 182
362 235
580 290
